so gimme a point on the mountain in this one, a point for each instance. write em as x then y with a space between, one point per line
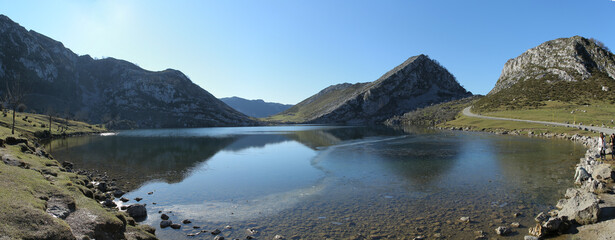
111 91
574 69
255 108
418 82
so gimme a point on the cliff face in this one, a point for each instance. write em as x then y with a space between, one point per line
110 91
572 70
568 59
417 82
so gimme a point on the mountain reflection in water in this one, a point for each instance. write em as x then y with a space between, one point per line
298 180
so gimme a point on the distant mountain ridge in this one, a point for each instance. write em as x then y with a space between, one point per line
255 108
111 91
574 69
418 82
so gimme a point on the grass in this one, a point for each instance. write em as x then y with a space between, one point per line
30 123
596 113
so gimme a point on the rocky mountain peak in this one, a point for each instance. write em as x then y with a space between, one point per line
417 82
111 91
568 59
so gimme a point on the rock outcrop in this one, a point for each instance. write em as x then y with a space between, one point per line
418 82
111 91
569 59
572 70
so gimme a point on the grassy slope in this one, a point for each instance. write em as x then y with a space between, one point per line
29 123
552 111
24 191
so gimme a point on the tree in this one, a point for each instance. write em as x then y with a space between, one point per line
13 98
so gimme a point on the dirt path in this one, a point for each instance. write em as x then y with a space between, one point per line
607 131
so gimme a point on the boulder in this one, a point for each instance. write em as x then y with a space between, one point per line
603 172
580 206
109 203
136 211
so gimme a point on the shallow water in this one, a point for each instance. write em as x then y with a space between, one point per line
318 182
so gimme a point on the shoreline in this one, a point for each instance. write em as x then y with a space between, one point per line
591 186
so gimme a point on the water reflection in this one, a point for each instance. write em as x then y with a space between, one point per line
330 182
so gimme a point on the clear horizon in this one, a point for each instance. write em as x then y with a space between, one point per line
286 51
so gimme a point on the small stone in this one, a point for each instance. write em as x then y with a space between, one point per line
278 237
516 214
465 219
191 234
219 238
249 237
527 237
216 232
228 227
176 226
502 231
195 227
164 216
165 223
138 199
150 193
186 221
123 199
515 225
419 238
252 231
541 217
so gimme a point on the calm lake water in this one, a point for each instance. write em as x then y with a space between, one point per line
318 182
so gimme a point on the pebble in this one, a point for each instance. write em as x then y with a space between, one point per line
123 199
150 193
164 217
138 199
515 225
186 221
465 219
277 237
176 226
219 238
228 227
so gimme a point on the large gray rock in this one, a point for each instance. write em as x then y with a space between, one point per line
603 172
579 206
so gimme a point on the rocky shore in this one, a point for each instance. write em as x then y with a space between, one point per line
586 211
41 198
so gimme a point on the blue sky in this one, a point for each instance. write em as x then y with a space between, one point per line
287 50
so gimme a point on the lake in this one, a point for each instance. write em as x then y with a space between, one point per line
318 182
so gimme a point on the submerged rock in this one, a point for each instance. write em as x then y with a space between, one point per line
186 221
165 223
216 232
